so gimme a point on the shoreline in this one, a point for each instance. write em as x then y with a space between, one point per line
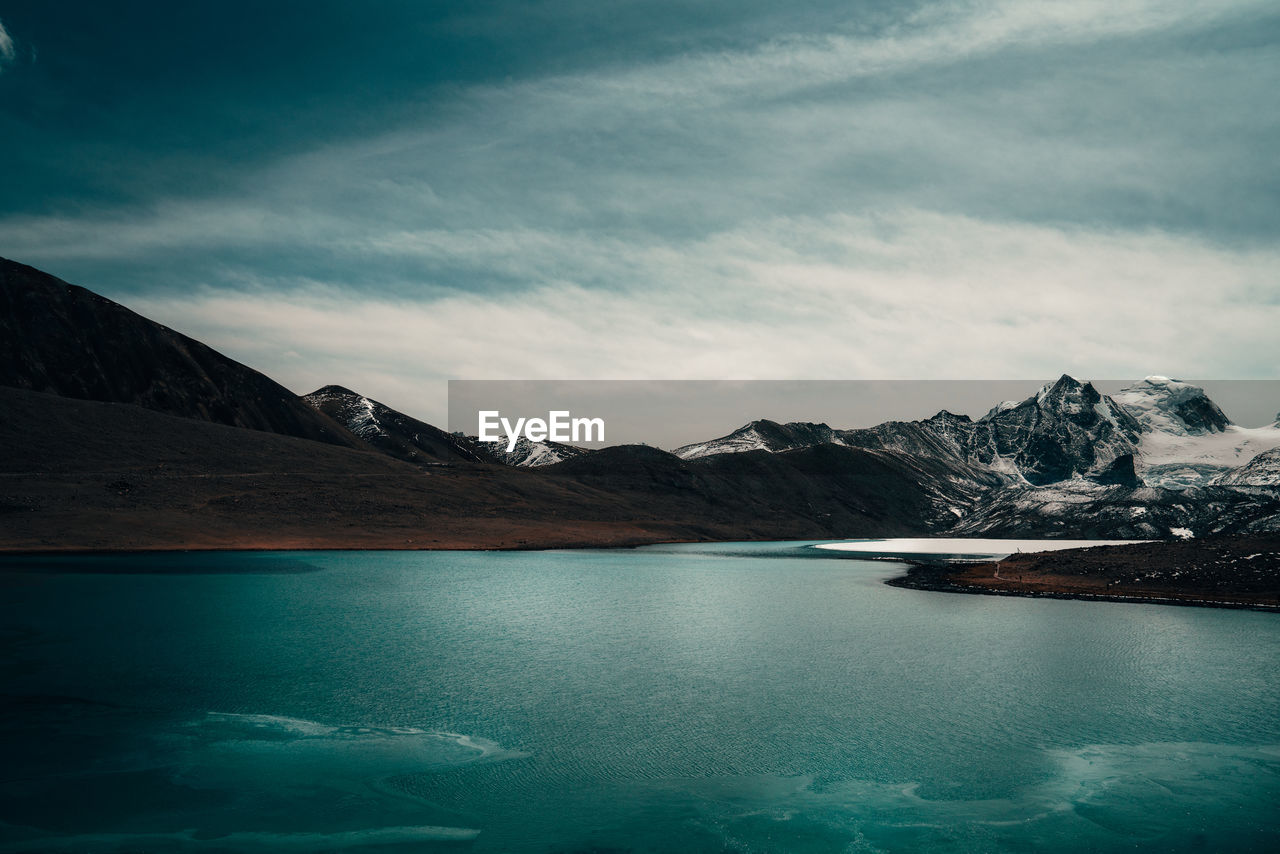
1240 571
91 551
939 579
1237 573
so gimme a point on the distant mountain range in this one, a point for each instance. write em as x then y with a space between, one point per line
1159 458
409 439
1157 432
127 466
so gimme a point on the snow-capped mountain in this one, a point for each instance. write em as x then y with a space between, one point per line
944 436
529 454
1175 435
1163 405
1159 456
763 435
1186 439
1067 429
1156 458
407 438
389 431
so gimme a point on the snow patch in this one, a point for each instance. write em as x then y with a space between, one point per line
1184 459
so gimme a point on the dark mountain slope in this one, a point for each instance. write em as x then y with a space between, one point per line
832 487
762 435
1067 429
63 339
394 433
88 475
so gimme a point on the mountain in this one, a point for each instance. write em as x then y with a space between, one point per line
836 487
1157 458
394 433
763 435
527 453
1067 429
118 476
122 433
1262 470
1187 441
65 340
944 436
1163 405
1168 432
406 438
1087 510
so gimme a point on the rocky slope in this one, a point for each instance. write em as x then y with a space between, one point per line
1261 471
1078 509
63 339
116 476
392 432
840 488
1067 429
526 453
1157 459
763 435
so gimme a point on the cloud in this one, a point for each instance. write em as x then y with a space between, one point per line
909 295
1146 141
7 50
936 35
1123 134
980 190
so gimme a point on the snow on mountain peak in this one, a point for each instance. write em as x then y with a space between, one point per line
1002 406
762 435
1187 440
1159 430
530 454
1165 405
356 412
1066 429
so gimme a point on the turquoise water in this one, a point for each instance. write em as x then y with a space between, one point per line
718 698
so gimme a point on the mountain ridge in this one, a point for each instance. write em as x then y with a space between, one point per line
67 340
389 431
1157 459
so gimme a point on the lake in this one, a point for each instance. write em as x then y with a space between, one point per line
693 698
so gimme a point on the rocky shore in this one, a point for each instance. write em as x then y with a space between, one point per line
1223 572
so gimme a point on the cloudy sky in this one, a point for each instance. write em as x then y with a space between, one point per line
386 195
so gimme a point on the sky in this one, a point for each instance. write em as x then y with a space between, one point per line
389 195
